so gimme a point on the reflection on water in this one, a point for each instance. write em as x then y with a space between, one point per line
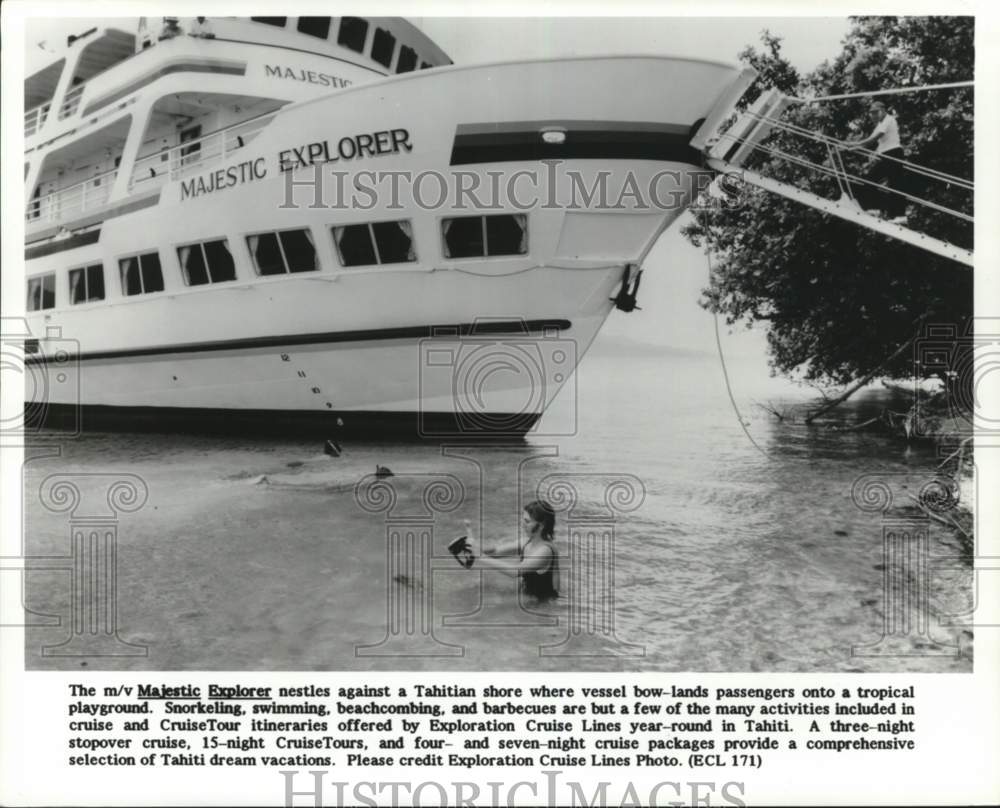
718 554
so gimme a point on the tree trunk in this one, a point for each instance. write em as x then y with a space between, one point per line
850 391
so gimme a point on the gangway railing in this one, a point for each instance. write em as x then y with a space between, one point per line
67 203
847 182
196 155
748 134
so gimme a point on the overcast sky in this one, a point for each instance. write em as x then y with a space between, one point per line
676 272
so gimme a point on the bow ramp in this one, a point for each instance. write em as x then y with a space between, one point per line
760 131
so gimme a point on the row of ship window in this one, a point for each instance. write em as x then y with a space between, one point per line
287 251
353 33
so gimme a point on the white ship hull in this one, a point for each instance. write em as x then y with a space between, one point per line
435 345
426 380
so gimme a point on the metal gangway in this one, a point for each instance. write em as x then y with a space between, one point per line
751 132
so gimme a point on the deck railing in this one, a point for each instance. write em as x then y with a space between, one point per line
198 154
72 201
71 102
34 118
149 172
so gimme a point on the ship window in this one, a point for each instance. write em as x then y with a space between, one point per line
280 253
42 292
394 241
353 33
383 46
315 26
485 236
141 274
425 65
506 235
193 264
277 22
220 262
464 238
209 262
354 244
376 243
407 60
266 254
300 254
86 284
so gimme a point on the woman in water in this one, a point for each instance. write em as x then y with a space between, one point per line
533 558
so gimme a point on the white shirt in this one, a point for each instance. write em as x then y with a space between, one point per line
888 134
203 29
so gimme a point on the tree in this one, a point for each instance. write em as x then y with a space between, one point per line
838 300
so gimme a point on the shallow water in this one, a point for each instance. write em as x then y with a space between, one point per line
727 555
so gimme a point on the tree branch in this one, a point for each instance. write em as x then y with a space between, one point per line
857 427
850 391
770 408
960 451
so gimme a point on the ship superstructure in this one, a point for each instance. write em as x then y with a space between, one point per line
193 258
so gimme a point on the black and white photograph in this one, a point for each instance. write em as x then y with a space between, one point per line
561 344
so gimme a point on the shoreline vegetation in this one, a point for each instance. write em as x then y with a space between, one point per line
920 417
844 306
912 416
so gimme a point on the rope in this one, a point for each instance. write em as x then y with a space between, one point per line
854 178
913 168
859 180
725 370
801 130
821 138
802 161
898 91
916 168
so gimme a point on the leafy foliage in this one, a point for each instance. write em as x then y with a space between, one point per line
837 299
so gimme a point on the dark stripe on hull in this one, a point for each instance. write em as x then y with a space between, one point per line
435 427
480 329
585 140
71 243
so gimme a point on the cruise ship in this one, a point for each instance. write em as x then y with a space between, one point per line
213 239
